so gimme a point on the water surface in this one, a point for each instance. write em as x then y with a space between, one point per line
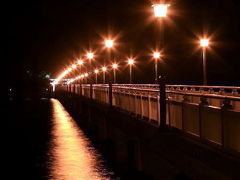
41 141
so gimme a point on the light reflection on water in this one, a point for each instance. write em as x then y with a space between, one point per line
71 155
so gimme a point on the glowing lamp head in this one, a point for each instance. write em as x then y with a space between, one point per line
86 74
69 69
96 71
109 43
114 66
204 42
80 62
130 61
90 55
160 10
74 66
104 69
156 55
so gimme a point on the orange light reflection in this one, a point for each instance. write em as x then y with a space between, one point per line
72 156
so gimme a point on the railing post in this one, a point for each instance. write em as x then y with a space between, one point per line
80 89
91 91
110 95
163 109
225 107
203 103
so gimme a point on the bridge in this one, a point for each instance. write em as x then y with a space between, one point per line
206 116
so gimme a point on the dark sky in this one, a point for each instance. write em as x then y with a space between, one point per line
47 35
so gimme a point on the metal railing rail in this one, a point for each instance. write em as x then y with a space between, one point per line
211 113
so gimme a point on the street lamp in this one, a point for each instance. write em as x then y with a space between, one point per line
109 43
204 44
156 56
130 63
69 69
96 71
104 69
160 10
80 62
74 66
90 55
114 66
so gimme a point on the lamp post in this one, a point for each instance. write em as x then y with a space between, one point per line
109 43
130 63
104 69
96 71
114 66
82 78
74 66
160 13
156 56
80 63
90 56
204 44
86 76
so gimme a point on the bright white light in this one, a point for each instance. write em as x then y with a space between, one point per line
130 61
156 55
69 69
70 81
90 55
96 71
160 10
80 62
109 43
74 66
115 66
104 69
86 74
204 42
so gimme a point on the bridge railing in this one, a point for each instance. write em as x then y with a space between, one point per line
209 113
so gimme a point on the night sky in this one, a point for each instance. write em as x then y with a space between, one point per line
48 35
